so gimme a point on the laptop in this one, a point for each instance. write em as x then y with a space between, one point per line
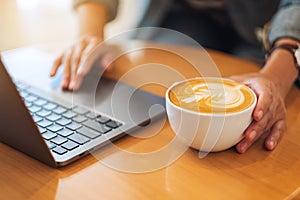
58 132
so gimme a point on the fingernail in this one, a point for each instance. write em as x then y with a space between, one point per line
260 115
271 145
243 149
71 86
243 146
64 86
252 135
75 87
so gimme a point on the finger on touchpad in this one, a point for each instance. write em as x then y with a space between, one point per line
56 80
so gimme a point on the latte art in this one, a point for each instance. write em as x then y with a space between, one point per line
211 95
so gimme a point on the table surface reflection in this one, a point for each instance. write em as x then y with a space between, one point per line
257 174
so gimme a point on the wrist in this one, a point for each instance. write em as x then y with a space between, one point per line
92 19
293 49
280 68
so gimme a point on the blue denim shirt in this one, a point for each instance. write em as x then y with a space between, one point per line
286 22
245 15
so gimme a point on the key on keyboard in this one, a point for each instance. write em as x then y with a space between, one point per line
64 127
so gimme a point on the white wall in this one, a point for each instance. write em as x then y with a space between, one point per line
27 22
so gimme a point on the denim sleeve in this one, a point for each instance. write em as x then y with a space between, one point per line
111 5
286 22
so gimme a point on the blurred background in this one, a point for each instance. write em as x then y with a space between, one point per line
34 22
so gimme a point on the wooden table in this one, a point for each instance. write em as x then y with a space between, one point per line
257 174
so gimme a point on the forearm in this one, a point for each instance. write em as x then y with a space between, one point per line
280 67
92 19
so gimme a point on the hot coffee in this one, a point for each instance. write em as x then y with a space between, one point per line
212 95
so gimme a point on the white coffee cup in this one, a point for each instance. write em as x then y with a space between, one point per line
216 130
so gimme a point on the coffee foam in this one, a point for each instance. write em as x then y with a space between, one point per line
212 96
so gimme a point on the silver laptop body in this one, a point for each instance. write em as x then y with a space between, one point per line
116 109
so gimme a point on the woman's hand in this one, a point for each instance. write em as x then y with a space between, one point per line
269 114
77 60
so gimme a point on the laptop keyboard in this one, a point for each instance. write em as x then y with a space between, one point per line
64 127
